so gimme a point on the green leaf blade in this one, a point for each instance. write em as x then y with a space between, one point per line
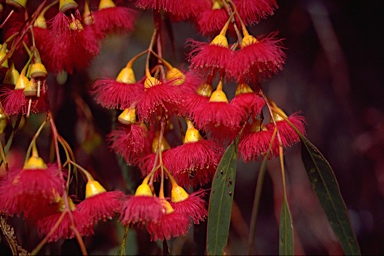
286 230
325 185
221 200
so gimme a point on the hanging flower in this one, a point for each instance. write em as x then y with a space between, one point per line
212 19
251 11
171 224
248 102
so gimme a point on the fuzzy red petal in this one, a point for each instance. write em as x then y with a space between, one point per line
43 40
15 103
249 104
131 142
117 19
192 102
141 209
112 94
82 223
194 206
211 22
170 225
209 58
259 60
102 206
251 11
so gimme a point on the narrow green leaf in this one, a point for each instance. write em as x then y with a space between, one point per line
325 185
286 230
220 201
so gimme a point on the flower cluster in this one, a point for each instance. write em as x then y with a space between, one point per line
173 124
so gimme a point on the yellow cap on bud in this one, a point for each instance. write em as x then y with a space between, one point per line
192 134
205 90
38 70
17 3
168 209
61 207
21 82
40 21
106 4
76 25
4 119
247 40
127 76
217 5
163 144
93 188
220 40
128 116
3 53
150 81
35 162
143 190
243 88
176 76
218 95
30 89
257 126
11 75
66 5
178 194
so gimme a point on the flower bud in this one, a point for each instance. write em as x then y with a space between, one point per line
3 53
66 5
176 76
150 81
38 70
192 134
128 116
127 76
205 90
93 188
220 40
178 194
247 40
4 119
218 95
243 88
106 4
21 82
143 190
17 3
35 162
11 75
168 209
30 89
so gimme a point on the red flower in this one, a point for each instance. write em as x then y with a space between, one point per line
69 41
118 19
191 162
179 10
102 206
194 206
255 141
211 21
210 58
196 99
131 142
257 59
171 224
251 11
113 94
156 98
33 192
140 209
83 224
248 102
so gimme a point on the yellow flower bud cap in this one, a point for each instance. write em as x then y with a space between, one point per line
220 40
127 76
163 146
143 190
150 81
168 209
61 207
128 116
217 5
30 89
17 3
38 70
35 162
40 22
4 119
21 82
93 188
243 88
3 53
176 76
248 40
106 4
178 194
76 25
192 134
66 5
11 75
218 95
257 126
205 90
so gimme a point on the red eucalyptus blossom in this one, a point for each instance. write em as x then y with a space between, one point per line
251 11
111 18
196 99
171 224
142 207
32 190
70 39
257 59
246 100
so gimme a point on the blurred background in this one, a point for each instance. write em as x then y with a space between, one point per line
333 76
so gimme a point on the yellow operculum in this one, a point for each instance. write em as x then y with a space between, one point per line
128 116
176 75
21 81
35 162
168 209
220 40
3 53
163 144
127 76
38 70
143 190
4 119
11 75
30 89
106 4
17 3
93 188
217 5
150 81
192 134
40 22
72 206
66 5
205 90
76 25
257 126
248 39
178 194
243 88
218 95
278 114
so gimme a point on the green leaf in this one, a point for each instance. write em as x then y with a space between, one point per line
220 201
286 230
327 190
